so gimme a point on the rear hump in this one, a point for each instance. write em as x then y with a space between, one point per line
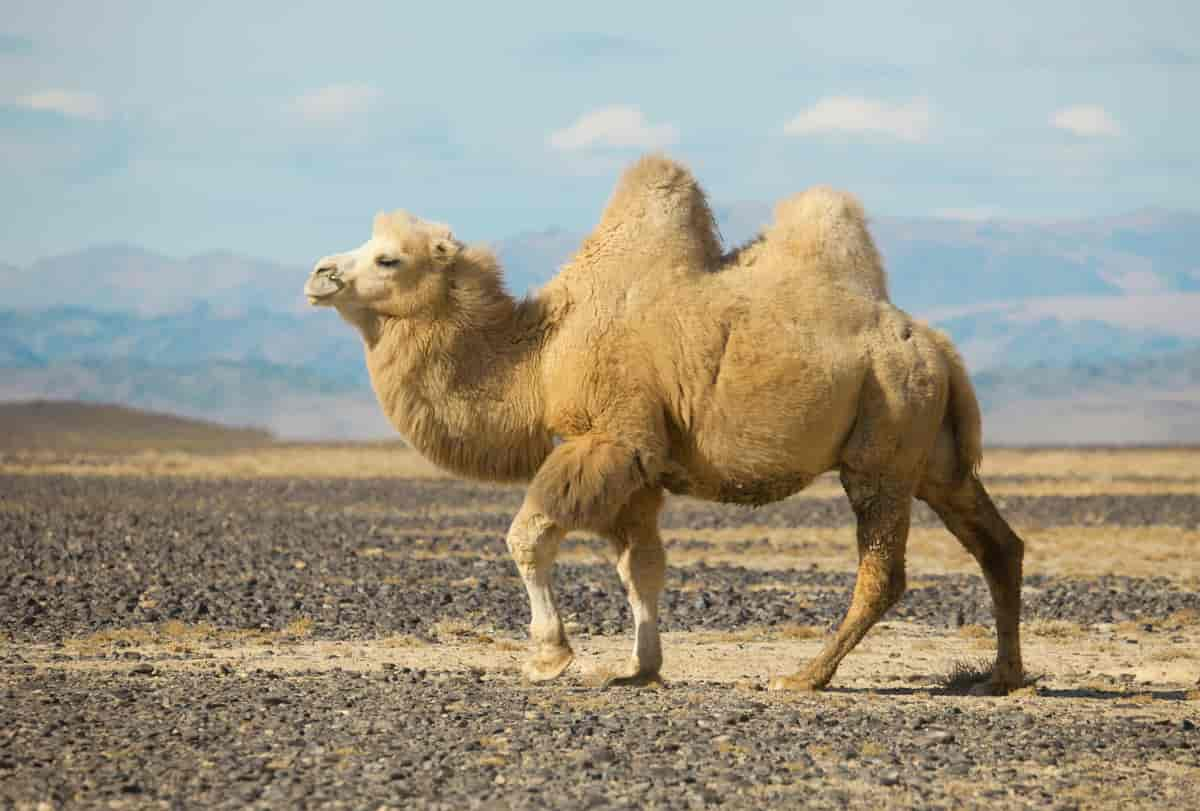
827 228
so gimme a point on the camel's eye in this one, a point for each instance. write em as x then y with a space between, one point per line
387 261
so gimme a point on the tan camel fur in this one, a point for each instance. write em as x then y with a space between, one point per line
651 363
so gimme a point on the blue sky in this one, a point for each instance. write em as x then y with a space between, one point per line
278 129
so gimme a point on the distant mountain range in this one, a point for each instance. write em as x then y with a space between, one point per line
1086 312
43 425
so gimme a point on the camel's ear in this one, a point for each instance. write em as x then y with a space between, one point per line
444 250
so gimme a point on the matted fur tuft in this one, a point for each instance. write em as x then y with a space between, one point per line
584 483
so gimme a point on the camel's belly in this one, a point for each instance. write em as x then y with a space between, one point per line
752 491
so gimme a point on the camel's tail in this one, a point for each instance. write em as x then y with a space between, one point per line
828 228
962 409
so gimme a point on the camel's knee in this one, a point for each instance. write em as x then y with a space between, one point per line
891 583
969 513
533 541
585 483
1007 552
880 584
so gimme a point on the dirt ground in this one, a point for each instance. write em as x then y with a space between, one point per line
307 626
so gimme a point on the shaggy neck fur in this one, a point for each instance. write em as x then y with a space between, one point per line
461 383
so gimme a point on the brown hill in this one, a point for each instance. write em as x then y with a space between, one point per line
56 425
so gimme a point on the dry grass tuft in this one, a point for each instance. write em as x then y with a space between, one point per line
299 628
967 674
1173 654
975 632
872 749
166 633
1055 629
980 637
964 675
1129 627
449 628
765 633
796 631
459 630
1184 618
182 636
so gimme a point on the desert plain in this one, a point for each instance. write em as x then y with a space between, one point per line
291 626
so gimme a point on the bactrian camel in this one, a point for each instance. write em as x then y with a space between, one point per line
654 363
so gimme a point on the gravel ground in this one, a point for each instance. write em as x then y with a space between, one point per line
408 738
367 559
87 554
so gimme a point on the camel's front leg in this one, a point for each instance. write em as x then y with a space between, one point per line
642 565
586 483
533 542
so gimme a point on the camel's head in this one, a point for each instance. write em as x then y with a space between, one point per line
399 271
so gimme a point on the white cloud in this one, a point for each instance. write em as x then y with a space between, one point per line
334 103
909 121
1086 120
617 126
66 102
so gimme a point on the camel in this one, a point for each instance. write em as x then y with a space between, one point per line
655 363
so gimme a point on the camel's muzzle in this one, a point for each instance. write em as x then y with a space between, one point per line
322 284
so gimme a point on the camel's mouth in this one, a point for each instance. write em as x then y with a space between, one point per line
323 285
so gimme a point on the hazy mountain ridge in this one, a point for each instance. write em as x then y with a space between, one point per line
310 341
230 337
130 279
1147 400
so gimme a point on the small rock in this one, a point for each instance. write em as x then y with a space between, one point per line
143 669
889 778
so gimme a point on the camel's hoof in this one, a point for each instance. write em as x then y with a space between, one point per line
547 664
797 684
649 679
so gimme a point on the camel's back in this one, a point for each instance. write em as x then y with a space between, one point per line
749 368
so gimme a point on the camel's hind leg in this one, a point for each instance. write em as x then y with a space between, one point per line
642 565
965 507
882 507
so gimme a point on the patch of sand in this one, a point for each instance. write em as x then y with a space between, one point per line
1102 662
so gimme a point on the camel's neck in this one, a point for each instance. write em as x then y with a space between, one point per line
464 389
